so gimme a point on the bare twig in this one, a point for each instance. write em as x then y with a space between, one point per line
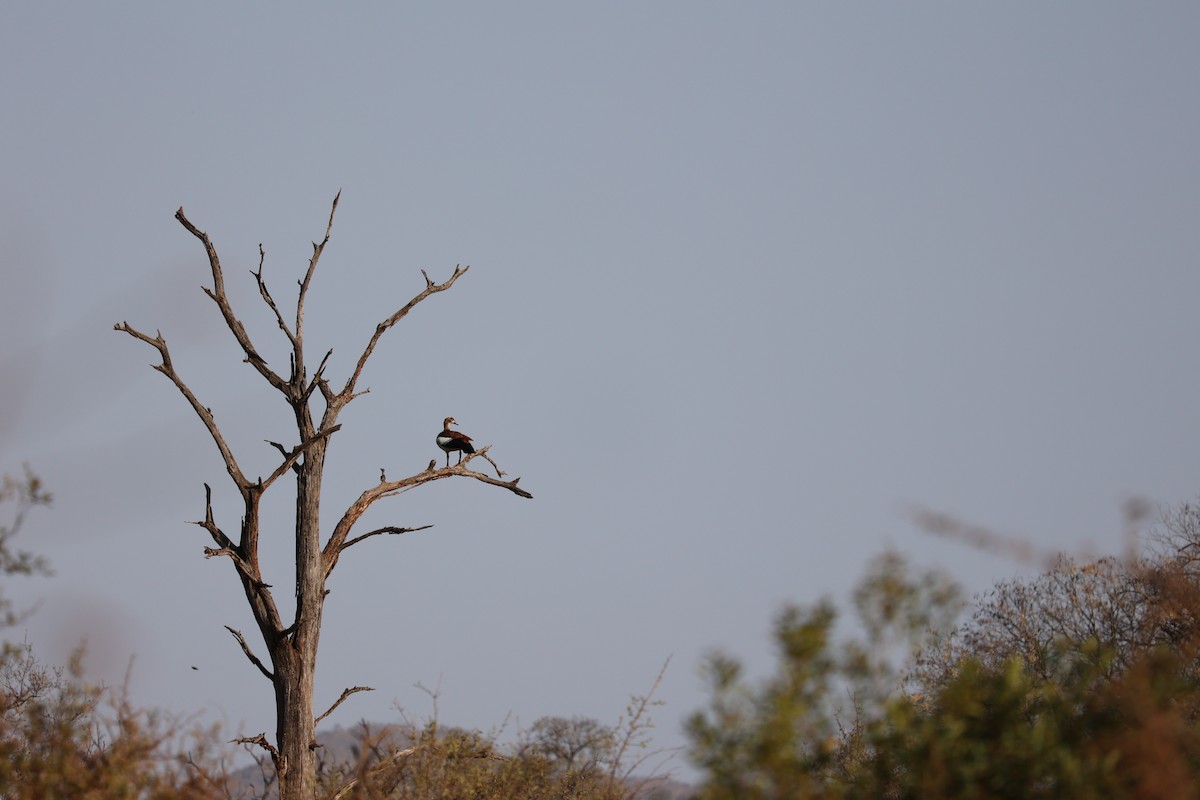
635 727
387 529
483 454
210 525
270 301
253 658
479 476
261 741
318 249
346 693
318 378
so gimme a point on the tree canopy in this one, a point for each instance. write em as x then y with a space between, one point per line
1079 681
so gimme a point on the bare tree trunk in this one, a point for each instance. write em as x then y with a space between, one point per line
293 648
296 661
295 762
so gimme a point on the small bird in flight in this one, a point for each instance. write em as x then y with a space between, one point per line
450 441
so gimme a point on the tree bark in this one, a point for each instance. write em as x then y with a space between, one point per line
295 658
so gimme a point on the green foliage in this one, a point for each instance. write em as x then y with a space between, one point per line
1047 692
24 495
774 742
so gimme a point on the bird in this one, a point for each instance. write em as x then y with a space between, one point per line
450 441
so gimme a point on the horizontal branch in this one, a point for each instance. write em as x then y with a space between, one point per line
250 655
388 529
346 693
339 539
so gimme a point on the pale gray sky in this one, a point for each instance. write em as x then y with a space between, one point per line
748 280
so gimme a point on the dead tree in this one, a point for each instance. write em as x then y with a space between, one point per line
291 645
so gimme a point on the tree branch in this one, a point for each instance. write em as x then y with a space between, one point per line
210 525
510 485
479 476
205 414
318 249
483 454
387 529
346 693
290 458
270 301
218 296
261 741
347 393
239 563
318 379
244 558
338 539
253 658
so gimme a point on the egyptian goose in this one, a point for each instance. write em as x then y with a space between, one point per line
450 441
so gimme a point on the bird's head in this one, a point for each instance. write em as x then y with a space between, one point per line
449 421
